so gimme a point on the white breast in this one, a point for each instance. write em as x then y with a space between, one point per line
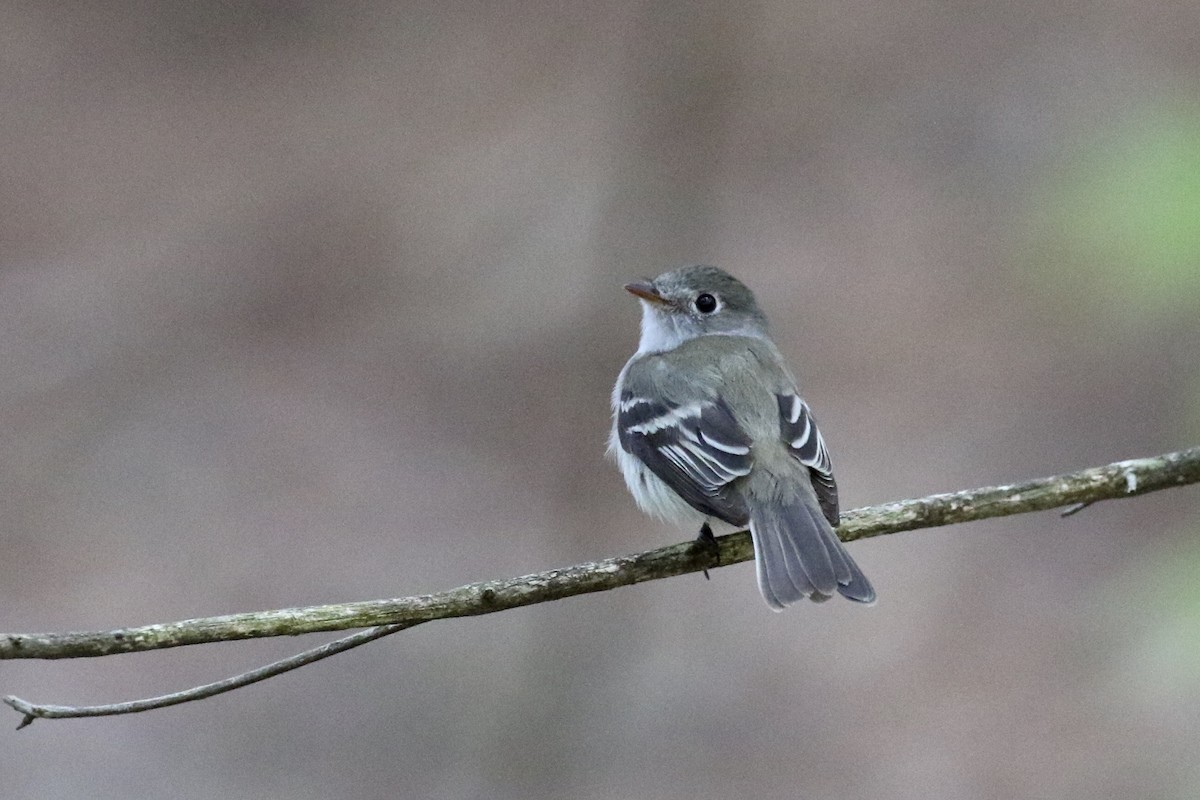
653 496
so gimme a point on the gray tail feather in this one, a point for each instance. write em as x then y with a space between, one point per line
799 556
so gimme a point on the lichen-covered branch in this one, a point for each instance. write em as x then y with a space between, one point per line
1121 479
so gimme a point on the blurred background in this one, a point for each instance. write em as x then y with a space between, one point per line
307 302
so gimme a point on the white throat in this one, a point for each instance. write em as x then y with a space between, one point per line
660 332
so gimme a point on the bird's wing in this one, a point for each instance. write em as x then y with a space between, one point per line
697 448
800 432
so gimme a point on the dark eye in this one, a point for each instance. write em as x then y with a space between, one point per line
705 303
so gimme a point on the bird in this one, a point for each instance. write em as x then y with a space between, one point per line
709 428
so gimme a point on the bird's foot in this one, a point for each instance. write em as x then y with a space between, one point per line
707 543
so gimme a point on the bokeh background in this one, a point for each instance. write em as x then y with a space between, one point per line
311 302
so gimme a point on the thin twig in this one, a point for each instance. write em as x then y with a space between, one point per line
34 711
1074 509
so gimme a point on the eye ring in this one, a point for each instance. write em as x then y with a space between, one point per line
705 303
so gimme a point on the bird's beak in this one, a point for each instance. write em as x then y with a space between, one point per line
645 290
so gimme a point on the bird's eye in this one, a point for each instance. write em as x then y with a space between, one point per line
705 303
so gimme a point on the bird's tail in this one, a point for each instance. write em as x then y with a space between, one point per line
798 555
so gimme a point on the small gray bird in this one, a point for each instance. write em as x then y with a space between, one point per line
708 426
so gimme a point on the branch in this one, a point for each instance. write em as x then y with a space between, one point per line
1121 479
34 711
384 617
